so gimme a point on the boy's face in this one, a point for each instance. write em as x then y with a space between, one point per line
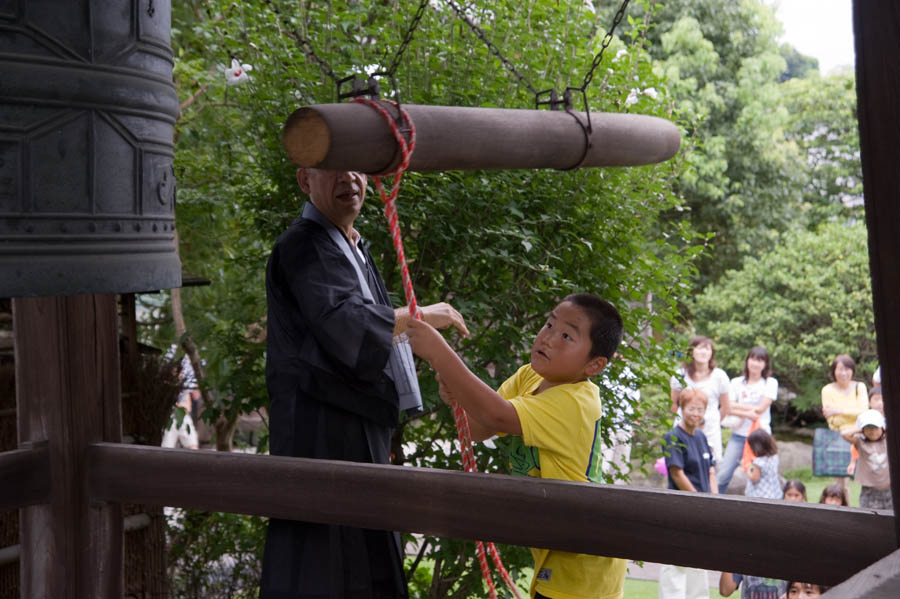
873 433
876 402
804 590
561 352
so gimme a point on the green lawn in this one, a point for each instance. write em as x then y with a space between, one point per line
649 589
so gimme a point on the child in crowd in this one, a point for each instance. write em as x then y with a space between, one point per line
872 471
692 467
794 490
762 473
752 587
834 495
552 410
805 590
876 402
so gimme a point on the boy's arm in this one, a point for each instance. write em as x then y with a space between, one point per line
484 404
726 584
478 431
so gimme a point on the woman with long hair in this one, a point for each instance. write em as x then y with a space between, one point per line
701 372
752 394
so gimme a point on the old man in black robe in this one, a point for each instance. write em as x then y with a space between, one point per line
332 393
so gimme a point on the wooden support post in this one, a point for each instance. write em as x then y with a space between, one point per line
354 137
876 28
881 580
777 538
67 394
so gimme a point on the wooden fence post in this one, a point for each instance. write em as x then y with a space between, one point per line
876 28
67 395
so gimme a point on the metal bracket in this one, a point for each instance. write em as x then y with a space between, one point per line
554 102
356 88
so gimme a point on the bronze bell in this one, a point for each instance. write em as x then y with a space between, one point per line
87 116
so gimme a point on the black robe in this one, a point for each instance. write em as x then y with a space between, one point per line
330 398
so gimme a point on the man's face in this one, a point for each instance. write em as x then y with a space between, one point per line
339 195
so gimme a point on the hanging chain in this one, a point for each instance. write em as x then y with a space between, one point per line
606 41
408 37
304 43
494 49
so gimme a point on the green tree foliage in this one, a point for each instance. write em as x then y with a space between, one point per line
823 127
501 246
798 64
806 302
723 65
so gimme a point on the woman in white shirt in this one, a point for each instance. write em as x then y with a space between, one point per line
701 373
752 394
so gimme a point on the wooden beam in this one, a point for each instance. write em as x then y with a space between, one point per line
881 580
67 395
25 474
877 33
777 539
353 136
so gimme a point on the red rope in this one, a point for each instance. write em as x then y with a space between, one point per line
459 414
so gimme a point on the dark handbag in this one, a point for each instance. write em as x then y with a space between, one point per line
831 453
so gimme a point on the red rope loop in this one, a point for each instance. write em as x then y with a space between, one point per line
407 145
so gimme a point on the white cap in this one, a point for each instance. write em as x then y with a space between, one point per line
870 418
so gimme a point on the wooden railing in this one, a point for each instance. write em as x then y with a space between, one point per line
715 532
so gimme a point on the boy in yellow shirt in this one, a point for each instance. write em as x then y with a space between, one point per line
553 411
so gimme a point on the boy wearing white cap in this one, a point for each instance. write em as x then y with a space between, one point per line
872 471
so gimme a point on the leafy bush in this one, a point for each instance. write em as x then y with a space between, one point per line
806 301
214 555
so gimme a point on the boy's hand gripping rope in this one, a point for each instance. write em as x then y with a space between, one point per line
459 415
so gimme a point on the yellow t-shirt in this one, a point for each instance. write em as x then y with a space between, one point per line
854 403
561 439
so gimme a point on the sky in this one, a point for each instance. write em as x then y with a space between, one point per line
819 28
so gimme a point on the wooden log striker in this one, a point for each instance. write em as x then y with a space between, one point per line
352 136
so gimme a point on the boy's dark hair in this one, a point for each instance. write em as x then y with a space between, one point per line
835 491
796 485
606 323
759 353
822 588
762 443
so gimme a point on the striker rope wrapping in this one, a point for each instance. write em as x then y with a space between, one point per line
459 414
